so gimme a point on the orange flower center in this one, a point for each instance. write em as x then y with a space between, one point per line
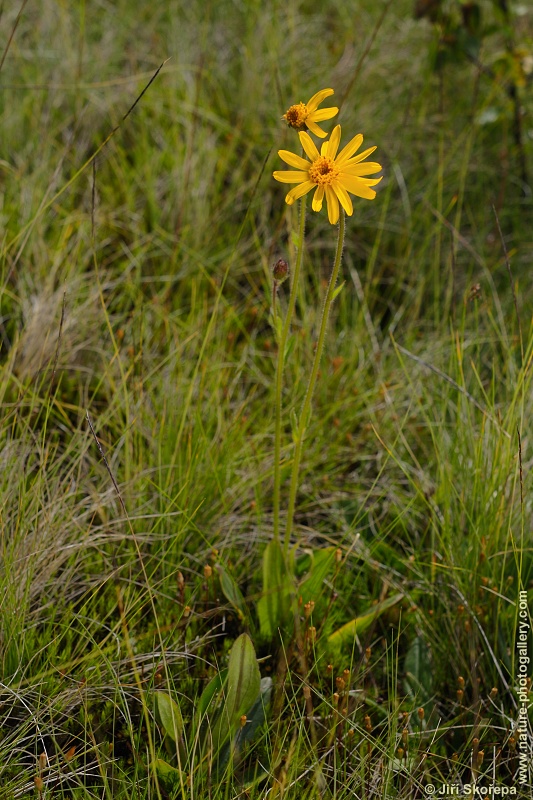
323 171
296 116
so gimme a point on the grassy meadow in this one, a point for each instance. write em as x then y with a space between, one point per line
139 226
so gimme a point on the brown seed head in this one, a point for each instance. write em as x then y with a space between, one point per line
308 609
340 683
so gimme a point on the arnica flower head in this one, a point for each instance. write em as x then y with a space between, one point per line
304 116
332 175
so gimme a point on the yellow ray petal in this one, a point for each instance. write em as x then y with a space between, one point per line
318 198
298 191
322 114
344 197
288 176
293 160
353 145
308 145
365 168
317 99
313 127
333 205
358 187
334 140
358 158
369 181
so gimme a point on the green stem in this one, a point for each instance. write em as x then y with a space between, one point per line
305 413
282 346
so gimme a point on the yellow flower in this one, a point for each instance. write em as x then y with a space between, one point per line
333 175
304 116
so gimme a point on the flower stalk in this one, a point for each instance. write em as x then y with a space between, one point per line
282 348
299 433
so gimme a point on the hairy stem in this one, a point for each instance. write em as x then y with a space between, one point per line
282 346
306 407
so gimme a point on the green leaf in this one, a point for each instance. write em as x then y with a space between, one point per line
322 562
199 725
295 239
254 719
338 290
240 691
170 716
256 716
232 593
295 425
167 774
361 623
289 346
214 686
273 606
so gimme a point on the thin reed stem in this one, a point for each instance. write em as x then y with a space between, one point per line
306 407
282 346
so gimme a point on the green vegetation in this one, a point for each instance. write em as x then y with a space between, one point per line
151 644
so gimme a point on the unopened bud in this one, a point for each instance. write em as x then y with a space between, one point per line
208 571
280 271
421 713
243 720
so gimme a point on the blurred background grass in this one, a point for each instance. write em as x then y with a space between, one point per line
138 288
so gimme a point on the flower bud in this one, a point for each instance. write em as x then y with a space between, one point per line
280 271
